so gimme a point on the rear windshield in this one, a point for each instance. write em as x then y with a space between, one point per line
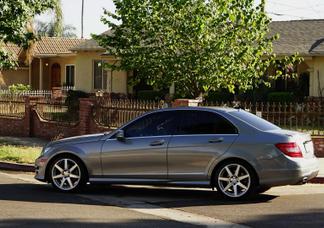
254 120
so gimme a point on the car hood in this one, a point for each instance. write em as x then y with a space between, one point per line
78 139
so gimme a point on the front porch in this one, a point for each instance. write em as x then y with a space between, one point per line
46 72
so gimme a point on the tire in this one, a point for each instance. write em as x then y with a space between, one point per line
262 189
67 174
235 180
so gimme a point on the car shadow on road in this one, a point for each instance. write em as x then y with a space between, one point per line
145 223
168 197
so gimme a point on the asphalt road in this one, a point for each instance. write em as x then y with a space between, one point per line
27 204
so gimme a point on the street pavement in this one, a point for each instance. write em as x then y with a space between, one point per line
321 164
28 203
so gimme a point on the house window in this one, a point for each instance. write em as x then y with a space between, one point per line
99 75
69 75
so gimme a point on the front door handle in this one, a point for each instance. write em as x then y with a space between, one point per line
157 143
218 140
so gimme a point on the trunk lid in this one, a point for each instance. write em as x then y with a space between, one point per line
303 140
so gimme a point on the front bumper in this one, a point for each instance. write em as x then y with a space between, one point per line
40 168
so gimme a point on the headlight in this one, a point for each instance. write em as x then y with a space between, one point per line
45 150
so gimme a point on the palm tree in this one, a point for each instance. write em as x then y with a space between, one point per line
48 29
58 19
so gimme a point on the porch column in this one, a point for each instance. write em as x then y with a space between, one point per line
40 74
30 74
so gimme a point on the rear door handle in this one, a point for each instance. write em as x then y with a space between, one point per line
157 143
218 140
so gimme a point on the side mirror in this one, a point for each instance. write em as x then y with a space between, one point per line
120 136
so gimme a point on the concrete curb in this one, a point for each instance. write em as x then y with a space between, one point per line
17 167
31 168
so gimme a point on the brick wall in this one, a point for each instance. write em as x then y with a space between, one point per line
319 146
52 130
33 125
13 127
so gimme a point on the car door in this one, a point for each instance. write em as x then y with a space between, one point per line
142 154
201 137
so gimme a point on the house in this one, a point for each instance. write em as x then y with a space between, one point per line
305 37
78 62
59 61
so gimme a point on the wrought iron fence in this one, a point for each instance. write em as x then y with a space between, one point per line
31 93
53 110
307 117
114 113
12 106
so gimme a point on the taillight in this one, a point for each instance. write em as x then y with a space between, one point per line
290 149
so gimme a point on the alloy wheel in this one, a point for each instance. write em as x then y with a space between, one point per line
234 180
66 174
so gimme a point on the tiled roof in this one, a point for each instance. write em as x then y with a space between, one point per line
88 45
56 45
13 49
47 46
303 36
91 45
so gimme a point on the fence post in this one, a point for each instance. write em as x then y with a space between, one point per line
85 113
28 116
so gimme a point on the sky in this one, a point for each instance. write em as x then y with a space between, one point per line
278 10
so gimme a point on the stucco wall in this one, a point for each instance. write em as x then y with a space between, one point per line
316 76
117 81
9 77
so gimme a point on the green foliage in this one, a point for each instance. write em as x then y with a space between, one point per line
283 97
16 88
14 16
72 100
201 45
150 95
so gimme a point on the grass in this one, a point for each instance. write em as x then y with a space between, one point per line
18 153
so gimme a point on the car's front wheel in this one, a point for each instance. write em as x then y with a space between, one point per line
67 174
235 180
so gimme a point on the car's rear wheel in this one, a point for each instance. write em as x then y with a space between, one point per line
235 180
67 174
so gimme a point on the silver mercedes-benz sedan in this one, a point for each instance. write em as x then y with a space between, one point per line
231 150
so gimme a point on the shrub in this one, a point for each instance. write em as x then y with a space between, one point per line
72 100
16 88
219 96
150 95
283 97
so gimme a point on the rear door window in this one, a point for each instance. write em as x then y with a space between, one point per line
204 122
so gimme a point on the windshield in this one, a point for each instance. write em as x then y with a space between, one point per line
254 120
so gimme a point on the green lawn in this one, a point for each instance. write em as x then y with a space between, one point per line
18 153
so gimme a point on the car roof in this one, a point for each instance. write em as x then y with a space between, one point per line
221 109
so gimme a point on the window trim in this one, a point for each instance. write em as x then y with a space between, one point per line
66 65
113 136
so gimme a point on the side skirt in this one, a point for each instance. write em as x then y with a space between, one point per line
160 182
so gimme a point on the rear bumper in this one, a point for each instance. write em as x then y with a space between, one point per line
299 171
